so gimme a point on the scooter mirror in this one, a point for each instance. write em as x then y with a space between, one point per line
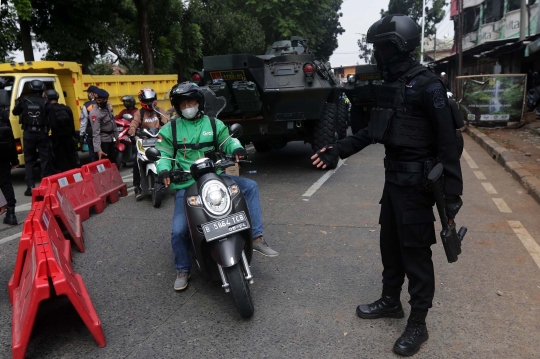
152 154
236 130
127 116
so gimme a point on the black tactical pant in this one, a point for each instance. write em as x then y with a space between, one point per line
5 183
65 153
407 232
34 142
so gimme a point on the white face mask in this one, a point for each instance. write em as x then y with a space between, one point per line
190 112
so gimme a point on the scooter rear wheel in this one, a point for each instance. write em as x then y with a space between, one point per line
240 290
156 193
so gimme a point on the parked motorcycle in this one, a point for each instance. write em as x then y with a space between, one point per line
219 223
125 149
146 139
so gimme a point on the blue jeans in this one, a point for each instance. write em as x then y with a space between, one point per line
180 236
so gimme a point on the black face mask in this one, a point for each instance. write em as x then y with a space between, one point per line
102 104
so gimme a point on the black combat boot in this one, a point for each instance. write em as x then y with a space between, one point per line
28 191
386 306
414 335
10 217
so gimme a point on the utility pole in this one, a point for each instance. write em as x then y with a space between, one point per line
435 46
459 47
522 19
422 39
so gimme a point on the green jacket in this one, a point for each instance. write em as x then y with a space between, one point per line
191 132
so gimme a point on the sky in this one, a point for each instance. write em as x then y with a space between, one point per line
358 16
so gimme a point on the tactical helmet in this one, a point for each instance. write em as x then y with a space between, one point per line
129 101
147 97
186 90
52 94
398 29
37 86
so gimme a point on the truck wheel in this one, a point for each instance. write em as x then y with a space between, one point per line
342 120
324 132
262 147
240 290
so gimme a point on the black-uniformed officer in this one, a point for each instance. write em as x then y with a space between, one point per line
62 129
8 161
413 120
35 124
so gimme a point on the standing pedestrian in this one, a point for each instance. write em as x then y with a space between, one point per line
35 125
413 119
104 130
62 130
8 161
85 130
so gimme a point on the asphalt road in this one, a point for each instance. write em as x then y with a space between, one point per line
487 305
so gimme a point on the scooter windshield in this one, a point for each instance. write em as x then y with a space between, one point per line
213 105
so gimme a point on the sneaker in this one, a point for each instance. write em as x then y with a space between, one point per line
263 248
138 193
28 191
181 281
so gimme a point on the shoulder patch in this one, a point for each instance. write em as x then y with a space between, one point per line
437 90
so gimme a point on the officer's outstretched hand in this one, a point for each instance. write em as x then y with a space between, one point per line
165 178
3 209
326 156
453 205
100 154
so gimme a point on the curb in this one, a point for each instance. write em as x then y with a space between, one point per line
506 159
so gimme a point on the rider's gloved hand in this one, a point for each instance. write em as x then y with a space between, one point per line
326 156
240 154
165 178
453 204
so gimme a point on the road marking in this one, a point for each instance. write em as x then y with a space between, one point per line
469 160
314 187
489 188
23 207
10 238
128 176
501 204
527 240
480 175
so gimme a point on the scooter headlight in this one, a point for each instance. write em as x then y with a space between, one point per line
215 197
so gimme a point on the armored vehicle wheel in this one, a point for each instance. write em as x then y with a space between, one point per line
324 132
262 147
342 120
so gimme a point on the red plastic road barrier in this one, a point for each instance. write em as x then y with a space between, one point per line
33 288
44 220
44 262
63 210
81 192
106 178
24 244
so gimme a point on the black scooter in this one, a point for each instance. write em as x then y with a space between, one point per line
219 223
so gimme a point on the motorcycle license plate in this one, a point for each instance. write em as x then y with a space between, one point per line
149 142
223 227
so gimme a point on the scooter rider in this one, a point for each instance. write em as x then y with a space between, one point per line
195 136
130 109
145 118
414 121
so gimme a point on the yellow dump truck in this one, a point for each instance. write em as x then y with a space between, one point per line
69 81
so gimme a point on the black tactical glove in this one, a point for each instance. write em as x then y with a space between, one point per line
240 152
453 204
163 175
330 156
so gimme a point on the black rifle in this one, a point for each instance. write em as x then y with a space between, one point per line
451 240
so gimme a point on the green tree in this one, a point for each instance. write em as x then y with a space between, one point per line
366 50
10 39
413 8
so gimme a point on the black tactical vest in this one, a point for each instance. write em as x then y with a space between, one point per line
390 123
33 114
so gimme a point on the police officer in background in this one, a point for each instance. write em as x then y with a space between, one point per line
62 129
104 129
8 161
85 129
413 119
35 124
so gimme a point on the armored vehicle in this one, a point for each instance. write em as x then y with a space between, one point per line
282 96
362 89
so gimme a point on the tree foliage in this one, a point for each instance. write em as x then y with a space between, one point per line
366 50
413 8
9 36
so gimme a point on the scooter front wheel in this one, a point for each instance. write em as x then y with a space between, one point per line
119 156
156 192
240 290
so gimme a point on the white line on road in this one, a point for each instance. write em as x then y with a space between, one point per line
314 187
489 188
10 238
479 175
501 204
128 176
528 241
23 207
469 160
